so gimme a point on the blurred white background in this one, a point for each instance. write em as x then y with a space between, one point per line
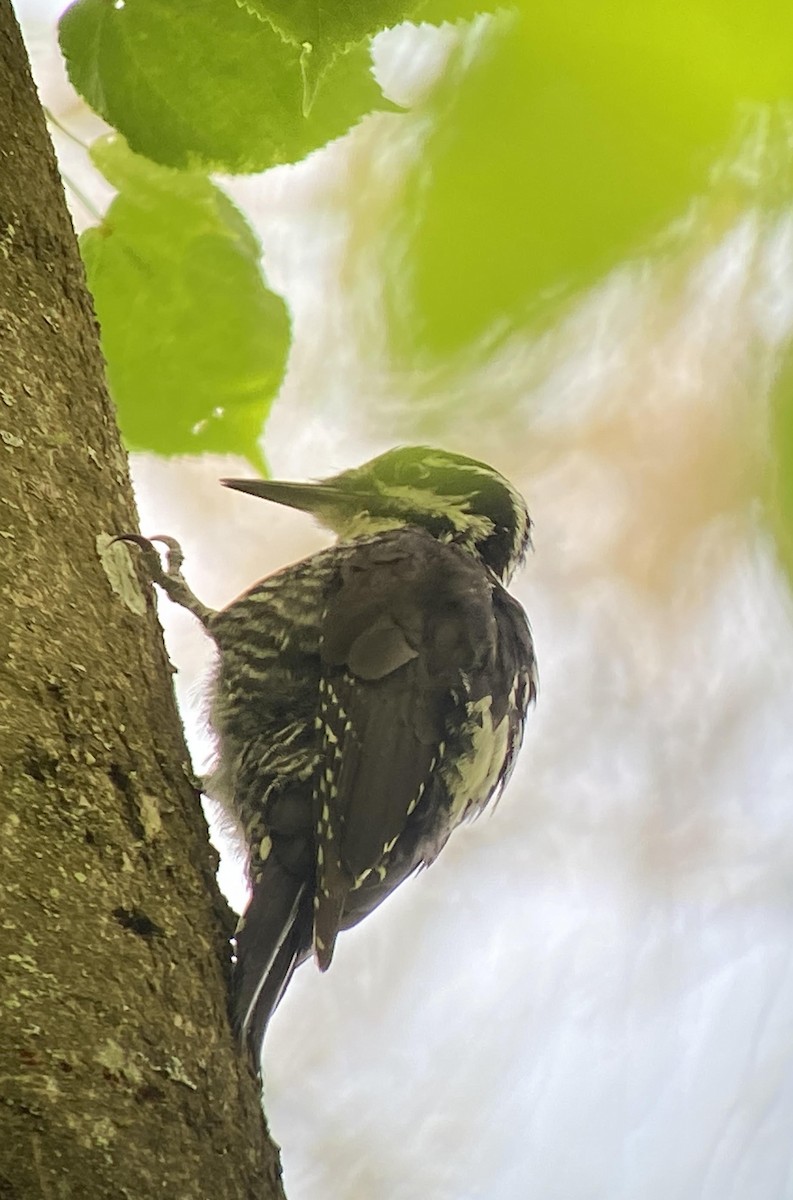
591 993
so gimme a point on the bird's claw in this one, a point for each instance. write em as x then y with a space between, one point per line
168 575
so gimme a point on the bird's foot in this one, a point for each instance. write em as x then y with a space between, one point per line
168 574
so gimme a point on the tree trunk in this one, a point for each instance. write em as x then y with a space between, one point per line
118 1074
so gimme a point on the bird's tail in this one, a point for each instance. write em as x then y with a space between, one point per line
273 937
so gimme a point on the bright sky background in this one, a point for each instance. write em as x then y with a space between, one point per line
591 993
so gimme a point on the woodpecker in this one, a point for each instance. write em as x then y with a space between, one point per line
366 699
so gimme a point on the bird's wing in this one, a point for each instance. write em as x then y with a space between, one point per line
409 621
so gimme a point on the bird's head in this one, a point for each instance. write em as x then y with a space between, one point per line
454 498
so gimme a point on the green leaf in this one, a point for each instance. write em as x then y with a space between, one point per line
325 28
779 498
334 24
438 12
567 140
195 343
206 83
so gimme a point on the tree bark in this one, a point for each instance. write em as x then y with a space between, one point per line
118 1073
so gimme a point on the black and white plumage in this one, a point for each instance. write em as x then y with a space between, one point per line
367 700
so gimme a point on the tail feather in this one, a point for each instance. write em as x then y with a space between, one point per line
273 937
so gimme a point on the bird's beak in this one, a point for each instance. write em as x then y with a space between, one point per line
314 498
